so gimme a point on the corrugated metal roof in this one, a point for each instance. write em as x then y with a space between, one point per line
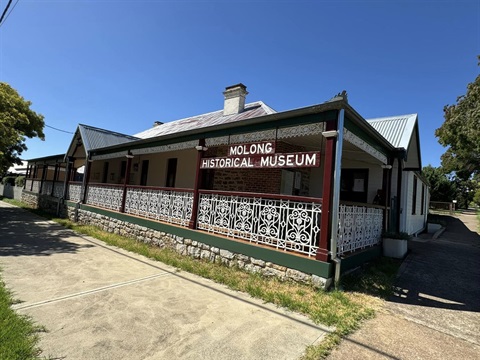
398 130
252 110
95 138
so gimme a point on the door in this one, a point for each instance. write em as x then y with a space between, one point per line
144 174
105 172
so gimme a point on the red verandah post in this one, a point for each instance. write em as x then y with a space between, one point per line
198 184
329 165
126 181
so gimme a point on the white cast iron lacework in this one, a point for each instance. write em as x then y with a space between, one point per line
110 156
47 187
165 148
272 134
169 206
217 141
253 136
361 144
300 130
36 186
358 227
282 224
74 191
58 189
108 197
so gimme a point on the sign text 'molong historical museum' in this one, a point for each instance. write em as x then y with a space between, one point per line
261 155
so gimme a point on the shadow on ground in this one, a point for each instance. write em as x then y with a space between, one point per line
443 273
35 239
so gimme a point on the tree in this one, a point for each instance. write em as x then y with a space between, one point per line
17 121
442 188
461 132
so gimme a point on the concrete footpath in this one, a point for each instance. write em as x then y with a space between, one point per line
435 312
100 302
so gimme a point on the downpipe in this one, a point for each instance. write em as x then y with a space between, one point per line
336 196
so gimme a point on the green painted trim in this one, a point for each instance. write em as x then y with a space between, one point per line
241 129
306 265
70 203
359 258
354 128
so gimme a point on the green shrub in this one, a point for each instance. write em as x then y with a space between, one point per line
20 181
8 180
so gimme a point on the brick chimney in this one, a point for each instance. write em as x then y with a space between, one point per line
234 99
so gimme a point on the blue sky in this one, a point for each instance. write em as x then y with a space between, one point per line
121 65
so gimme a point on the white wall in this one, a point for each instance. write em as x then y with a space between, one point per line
157 169
413 223
375 175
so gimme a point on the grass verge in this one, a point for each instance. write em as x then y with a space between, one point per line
18 333
344 311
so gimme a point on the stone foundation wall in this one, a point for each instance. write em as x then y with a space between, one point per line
30 199
49 204
46 203
195 249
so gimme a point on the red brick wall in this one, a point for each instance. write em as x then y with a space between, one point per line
255 180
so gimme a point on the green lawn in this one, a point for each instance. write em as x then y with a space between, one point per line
342 310
18 334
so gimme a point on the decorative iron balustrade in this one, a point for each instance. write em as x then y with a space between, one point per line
74 191
47 187
358 227
58 189
36 186
107 196
169 205
285 223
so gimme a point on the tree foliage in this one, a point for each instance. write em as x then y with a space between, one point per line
17 122
461 133
447 187
441 187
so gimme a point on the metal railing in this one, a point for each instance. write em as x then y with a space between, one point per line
286 223
74 191
108 196
359 226
172 205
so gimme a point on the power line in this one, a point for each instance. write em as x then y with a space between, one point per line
6 8
5 11
54 128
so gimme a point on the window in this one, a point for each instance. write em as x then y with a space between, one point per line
354 185
414 196
171 172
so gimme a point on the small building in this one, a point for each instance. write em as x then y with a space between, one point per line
292 194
